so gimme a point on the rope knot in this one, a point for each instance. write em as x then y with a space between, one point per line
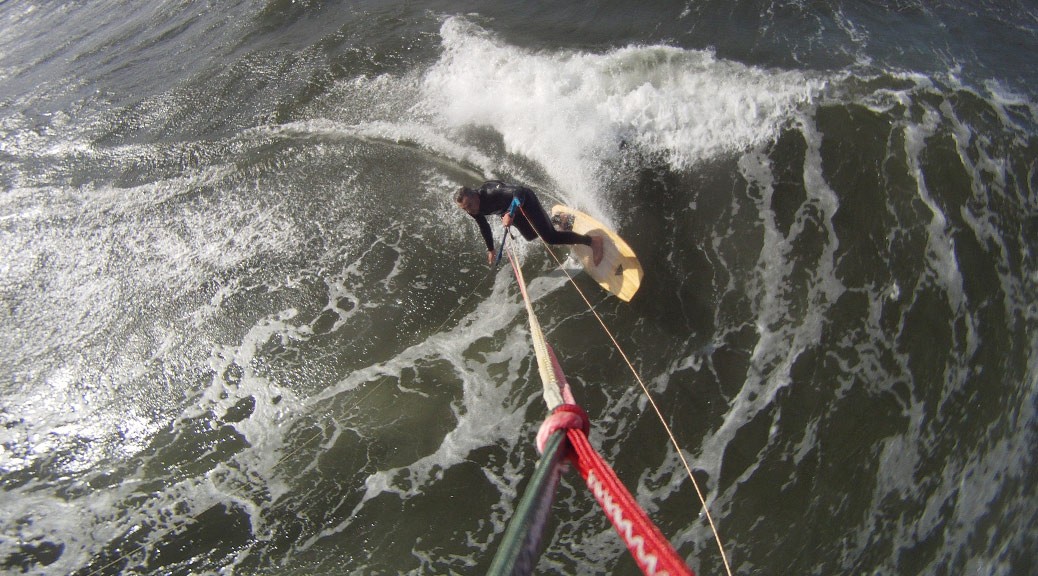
563 417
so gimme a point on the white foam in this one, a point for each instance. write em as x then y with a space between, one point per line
1005 101
940 245
571 111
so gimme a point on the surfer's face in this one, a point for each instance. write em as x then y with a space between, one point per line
470 204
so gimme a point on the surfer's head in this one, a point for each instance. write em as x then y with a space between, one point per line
468 200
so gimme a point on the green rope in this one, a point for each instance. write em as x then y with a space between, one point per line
521 546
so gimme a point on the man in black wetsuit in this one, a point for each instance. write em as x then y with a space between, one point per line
517 205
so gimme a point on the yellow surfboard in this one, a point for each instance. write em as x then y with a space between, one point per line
619 272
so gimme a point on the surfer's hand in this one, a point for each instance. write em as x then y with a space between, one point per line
506 220
490 257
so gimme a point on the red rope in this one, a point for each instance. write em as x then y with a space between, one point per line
650 549
652 552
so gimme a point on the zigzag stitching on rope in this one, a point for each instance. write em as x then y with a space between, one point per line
625 526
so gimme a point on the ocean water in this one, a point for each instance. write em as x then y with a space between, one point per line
244 330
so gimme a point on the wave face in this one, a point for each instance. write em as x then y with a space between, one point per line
245 329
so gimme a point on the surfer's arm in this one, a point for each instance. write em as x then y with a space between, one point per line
484 230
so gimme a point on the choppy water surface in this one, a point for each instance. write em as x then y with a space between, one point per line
245 330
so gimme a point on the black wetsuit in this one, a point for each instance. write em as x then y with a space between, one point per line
495 197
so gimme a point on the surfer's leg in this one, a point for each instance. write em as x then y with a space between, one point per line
538 218
524 228
534 215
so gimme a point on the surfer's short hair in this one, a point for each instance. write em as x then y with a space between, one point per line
462 193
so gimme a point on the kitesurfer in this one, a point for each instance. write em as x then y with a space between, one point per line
517 205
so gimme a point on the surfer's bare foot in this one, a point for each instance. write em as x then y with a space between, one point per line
596 249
